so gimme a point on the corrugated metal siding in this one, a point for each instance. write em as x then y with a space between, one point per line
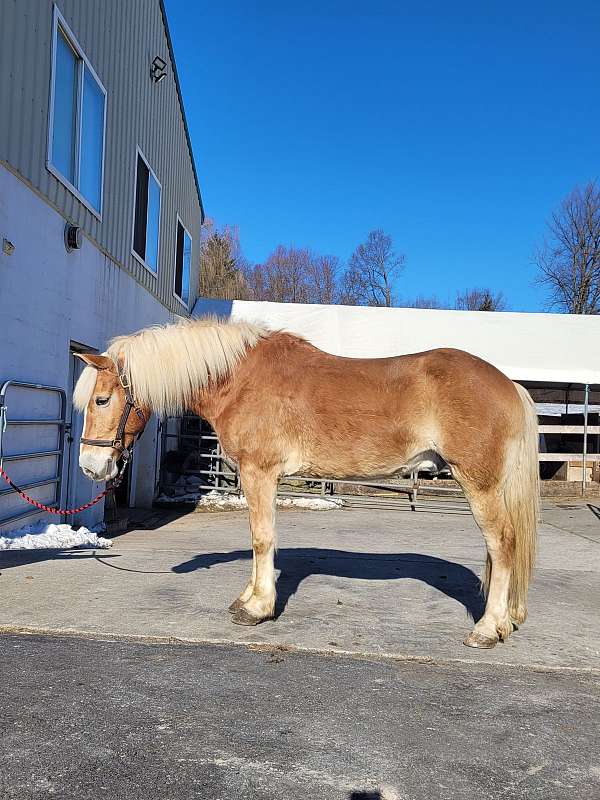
120 39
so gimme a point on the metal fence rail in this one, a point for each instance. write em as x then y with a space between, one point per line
56 453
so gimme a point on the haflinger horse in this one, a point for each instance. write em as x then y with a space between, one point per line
280 406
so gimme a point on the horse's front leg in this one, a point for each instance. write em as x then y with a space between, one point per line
257 602
248 591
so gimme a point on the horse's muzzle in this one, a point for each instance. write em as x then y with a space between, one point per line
97 465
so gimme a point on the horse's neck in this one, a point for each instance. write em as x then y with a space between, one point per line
211 401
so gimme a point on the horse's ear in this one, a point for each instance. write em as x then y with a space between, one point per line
100 362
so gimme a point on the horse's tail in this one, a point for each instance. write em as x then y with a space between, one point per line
522 500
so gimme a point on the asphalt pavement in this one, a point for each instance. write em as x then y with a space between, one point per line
111 719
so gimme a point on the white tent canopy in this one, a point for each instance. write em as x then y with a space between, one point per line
542 348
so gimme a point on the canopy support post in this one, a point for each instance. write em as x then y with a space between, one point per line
585 435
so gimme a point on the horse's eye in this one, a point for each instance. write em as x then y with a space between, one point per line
102 401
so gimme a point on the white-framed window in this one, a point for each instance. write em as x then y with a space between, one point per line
146 214
77 129
183 261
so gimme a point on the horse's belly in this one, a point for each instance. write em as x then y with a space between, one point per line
370 465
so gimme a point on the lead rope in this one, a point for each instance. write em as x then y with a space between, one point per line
68 511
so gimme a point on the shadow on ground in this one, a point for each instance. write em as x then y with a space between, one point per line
365 796
20 558
298 563
595 510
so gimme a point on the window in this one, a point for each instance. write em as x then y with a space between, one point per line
146 221
183 258
77 120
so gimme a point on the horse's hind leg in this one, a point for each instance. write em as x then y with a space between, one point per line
257 601
491 515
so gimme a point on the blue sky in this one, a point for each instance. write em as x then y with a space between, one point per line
455 127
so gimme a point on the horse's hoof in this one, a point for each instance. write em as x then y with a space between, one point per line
242 617
235 606
475 639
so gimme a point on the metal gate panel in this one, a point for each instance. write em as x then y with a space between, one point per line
31 446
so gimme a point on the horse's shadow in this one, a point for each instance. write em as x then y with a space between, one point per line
297 563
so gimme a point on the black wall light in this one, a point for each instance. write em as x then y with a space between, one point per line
73 237
158 69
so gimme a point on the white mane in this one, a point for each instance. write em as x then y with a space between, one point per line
167 364
84 388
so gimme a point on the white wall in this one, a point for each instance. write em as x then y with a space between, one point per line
48 298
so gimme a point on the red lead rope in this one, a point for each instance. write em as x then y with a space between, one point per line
58 511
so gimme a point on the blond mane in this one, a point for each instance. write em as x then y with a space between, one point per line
167 364
84 388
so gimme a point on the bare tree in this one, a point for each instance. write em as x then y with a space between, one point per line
421 301
294 275
222 265
372 270
480 300
322 276
282 277
569 259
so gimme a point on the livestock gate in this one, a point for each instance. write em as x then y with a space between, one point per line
33 431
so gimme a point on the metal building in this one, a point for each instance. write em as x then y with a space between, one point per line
100 215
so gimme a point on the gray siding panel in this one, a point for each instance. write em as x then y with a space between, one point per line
120 39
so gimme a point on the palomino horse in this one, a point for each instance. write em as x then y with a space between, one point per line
280 406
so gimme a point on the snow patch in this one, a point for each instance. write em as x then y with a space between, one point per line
311 503
48 536
215 501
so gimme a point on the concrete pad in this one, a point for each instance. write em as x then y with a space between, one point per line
378 583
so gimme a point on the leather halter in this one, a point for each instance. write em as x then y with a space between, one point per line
118 443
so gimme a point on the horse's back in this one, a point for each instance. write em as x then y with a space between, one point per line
289 360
